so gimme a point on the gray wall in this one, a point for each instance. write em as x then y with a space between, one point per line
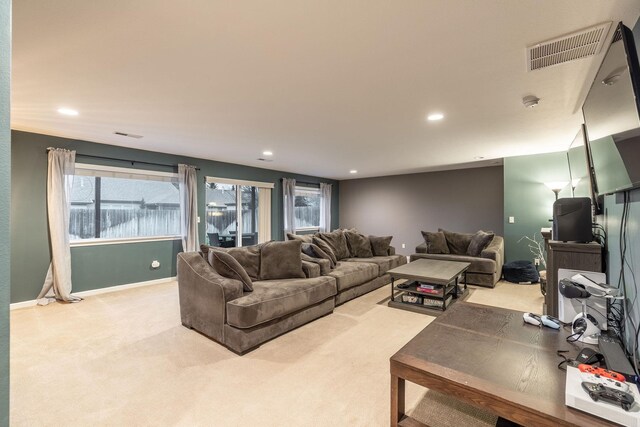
464 200
5 200
108 265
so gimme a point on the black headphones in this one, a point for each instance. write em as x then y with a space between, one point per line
573 290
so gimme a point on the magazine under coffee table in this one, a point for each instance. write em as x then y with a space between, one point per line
440 279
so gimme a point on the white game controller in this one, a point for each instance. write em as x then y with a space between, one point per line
550 321
607 382
532 319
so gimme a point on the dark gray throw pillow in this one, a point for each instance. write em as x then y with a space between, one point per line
314 251
228 266
479 241
436 242
457 242
359 245
324 246
337 242
304 238
281 260
380 245
249 259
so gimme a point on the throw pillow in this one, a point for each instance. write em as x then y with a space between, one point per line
380 245
359 245
479 241
249 259
322 263
338 243
228 266
324 246
457 242
304 238
281 260
314 251
436 242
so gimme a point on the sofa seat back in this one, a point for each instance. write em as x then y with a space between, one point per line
384 263
350 274
478 265
272 299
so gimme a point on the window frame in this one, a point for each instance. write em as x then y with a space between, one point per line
307 189
86 169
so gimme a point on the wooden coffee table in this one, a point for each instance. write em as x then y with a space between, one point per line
443 274
489 358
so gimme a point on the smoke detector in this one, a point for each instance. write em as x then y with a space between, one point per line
530 101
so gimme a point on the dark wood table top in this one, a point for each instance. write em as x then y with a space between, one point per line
488 356
430 270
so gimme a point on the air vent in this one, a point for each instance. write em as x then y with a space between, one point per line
262 159
577 45
129 135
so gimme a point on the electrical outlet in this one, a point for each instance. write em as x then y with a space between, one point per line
404 246
536 261
198 220
512 220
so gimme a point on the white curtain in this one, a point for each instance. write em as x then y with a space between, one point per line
264 214
325 207
57 284
289 198
188 207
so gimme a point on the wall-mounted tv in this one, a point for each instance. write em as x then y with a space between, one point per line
612 117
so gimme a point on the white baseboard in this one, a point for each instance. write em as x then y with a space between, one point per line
99 291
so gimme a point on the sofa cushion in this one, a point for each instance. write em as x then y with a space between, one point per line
478 265
326 249
281 260
337 241
457 242
272 299
380 245
314 250
384 263
350 274
304 238
229 267
359 245
436 242
479 241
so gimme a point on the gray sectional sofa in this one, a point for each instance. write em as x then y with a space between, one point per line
222 309
486 267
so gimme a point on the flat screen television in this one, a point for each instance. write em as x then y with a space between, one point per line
612 117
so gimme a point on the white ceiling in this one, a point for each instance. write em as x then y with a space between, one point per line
328 85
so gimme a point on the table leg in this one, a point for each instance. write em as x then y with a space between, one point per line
397 400
392 281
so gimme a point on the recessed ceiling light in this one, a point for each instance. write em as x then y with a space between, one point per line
67 111
267 153
435 117
353 171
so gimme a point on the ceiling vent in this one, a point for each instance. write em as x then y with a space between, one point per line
129 135
577 45
262 159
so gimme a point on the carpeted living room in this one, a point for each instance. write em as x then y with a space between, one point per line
314 213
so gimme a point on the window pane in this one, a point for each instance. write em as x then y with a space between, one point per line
222 217
249 215
128 208
307 208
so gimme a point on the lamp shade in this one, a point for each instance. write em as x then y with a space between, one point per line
556 186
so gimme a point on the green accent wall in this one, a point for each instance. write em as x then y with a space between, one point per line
528 200
5 201
96 267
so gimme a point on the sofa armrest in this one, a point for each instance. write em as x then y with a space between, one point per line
310 268
495 251
421 248
392 250
203 295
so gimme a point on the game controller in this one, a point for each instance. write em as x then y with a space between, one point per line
550 321
598 391
607 382
602 372
532 319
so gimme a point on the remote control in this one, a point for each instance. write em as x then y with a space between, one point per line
532 319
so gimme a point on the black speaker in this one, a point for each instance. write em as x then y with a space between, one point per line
572 220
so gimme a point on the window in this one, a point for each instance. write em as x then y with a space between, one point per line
237 208
118 203
307 208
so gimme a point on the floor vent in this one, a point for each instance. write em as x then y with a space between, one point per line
129 135
577 45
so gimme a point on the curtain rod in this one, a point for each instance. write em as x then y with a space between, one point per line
128 161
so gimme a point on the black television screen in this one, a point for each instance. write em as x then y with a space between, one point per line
611 114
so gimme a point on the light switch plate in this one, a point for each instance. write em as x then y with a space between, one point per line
512 220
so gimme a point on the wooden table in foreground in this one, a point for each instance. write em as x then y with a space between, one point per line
488 357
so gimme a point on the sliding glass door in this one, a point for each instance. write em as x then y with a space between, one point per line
233 214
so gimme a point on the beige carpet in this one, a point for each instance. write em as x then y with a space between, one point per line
124 359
